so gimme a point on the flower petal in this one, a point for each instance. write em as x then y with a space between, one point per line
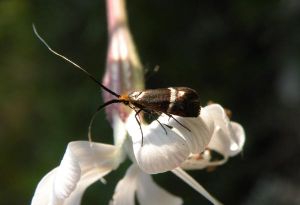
167 144
67 175
162 149
195 185
148 192
238 138
125 189
124 72
197 131
82 164
43 192
229 137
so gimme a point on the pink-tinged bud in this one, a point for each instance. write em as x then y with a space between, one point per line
123 68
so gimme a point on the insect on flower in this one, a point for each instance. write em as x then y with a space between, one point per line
180 101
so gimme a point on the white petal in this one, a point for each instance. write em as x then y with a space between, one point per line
220 142
148 192
228 137
67 175
119 128
238 139
82 164
195 185
125 189
218 114
43 192
160 152
197 131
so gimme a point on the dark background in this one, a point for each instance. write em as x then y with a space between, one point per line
243 54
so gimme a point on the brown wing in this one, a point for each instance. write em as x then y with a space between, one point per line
186 103
151 99
181 101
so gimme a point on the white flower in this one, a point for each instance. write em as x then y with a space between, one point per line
169 144
85 163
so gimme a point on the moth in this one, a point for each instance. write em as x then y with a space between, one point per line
180 101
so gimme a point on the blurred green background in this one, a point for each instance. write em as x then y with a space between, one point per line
243 54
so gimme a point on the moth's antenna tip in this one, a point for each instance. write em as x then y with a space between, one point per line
68 60
34 29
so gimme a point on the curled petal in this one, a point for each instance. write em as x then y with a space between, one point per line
228 137
148 192
218 114
66 177
82 165
44 192
238 138
162 149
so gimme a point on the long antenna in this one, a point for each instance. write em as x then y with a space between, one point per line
77 66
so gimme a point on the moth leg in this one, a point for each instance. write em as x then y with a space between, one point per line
171 116
169 126
136 118
163 126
